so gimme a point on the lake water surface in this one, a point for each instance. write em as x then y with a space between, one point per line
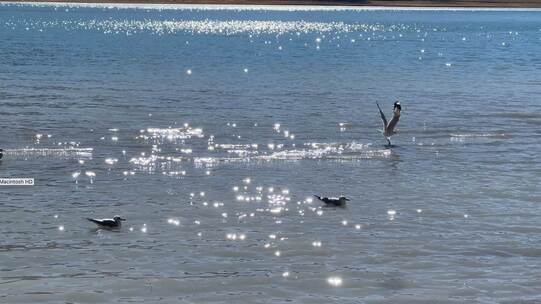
210 129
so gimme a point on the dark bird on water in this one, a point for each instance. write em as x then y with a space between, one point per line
113 223
333 201
388 127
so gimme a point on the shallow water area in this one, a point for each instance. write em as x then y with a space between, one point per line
211 128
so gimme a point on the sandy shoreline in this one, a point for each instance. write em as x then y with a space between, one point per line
360 3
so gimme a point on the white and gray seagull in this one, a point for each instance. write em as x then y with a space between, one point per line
388 127
333 201
113 223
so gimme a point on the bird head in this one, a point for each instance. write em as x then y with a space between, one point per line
343 198
117 218
397 106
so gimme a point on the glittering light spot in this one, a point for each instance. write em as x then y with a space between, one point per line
277 253
335 281
188 72
91 175
61 228
285 274
172 221
111 161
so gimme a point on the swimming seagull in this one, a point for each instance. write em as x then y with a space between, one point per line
113 223
388 127
333 201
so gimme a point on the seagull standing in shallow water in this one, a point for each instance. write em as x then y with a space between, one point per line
333 201
388 127
113 223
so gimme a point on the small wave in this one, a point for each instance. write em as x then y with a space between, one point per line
296 154
50 152
155 163
518 115
479 135
325 151
170 134
244 153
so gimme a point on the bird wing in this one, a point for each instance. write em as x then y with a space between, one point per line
392 124
104 222
383 119
94 221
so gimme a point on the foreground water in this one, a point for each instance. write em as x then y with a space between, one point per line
209 130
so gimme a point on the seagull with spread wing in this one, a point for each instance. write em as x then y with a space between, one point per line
388 127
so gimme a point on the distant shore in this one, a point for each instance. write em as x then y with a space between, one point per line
381 3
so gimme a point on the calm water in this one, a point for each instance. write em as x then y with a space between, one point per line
209 130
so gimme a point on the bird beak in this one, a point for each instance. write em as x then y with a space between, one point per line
347 199
122 219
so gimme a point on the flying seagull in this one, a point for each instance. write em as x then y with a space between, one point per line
113 223
333 201
388 127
